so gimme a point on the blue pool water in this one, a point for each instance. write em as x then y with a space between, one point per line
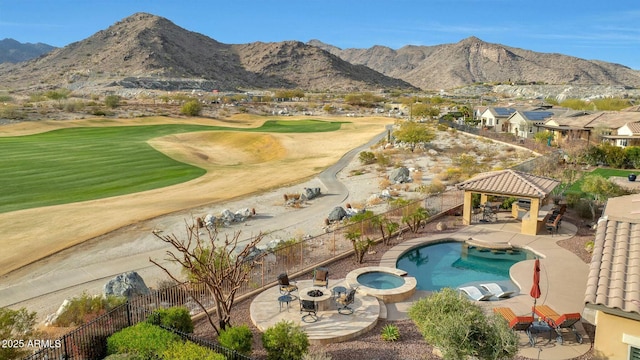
452 264
380 280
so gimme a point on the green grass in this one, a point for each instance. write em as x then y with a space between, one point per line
606 173
87 163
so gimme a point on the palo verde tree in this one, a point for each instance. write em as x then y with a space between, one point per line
221 268
413 133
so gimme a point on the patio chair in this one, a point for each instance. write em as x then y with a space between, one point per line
496 290
553 225
517 323
286 287
345 300
475 294
321 277
311 309
559 321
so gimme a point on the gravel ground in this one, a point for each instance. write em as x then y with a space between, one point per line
411 345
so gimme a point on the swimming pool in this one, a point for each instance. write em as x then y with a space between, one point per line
453 264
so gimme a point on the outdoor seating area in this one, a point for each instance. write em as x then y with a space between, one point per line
558 322
335 316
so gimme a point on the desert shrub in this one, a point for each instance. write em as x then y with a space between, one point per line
285 341
190 351
175 317
435 187
614 156
16 326
390 332
145 340
632 154
112 101
460 329
451 175
384 183
367 157
57 94
238 338
191 108
316 355
85 308
383 159
12 112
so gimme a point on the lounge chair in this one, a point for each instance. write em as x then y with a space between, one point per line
475 293
346 300
496 290
311 309
286 287
559 321
321 277
517 323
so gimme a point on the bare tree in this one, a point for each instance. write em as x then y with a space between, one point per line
219 268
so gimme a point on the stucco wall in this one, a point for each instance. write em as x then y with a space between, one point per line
610 330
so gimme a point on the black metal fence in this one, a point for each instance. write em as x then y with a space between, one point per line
228 353
88 342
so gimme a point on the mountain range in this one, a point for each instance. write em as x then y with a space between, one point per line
148 51
12 51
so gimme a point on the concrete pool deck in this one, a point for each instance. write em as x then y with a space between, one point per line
563 280
563 284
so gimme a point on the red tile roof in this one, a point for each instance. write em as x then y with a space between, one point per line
614 273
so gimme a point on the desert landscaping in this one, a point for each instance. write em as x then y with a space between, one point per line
121 235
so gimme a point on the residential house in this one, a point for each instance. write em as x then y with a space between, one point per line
591 126
612 296
495 118
626 135
525 124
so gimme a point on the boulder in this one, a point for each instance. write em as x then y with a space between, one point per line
310 193
337 214
210 221
400 175
129 284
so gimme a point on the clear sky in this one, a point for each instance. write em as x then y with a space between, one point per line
588 29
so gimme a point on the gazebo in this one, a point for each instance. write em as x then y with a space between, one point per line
510 183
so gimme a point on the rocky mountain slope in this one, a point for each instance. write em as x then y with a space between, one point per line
12 51
150 52
475 61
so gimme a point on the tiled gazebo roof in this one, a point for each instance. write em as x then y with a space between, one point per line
510 182
614 273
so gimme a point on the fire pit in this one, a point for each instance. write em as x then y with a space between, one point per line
315 293
322 297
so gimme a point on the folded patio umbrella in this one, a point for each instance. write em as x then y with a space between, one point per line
535 287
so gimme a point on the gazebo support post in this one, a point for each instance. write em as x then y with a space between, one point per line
466 208
530 223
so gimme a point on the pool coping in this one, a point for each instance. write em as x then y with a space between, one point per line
387 296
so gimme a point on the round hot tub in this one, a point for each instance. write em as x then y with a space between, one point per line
387 284
380 280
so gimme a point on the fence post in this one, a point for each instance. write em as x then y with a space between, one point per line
128 306
64 345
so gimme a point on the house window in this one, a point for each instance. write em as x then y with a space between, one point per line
634 346
622 142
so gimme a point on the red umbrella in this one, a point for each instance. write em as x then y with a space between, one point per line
535 288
